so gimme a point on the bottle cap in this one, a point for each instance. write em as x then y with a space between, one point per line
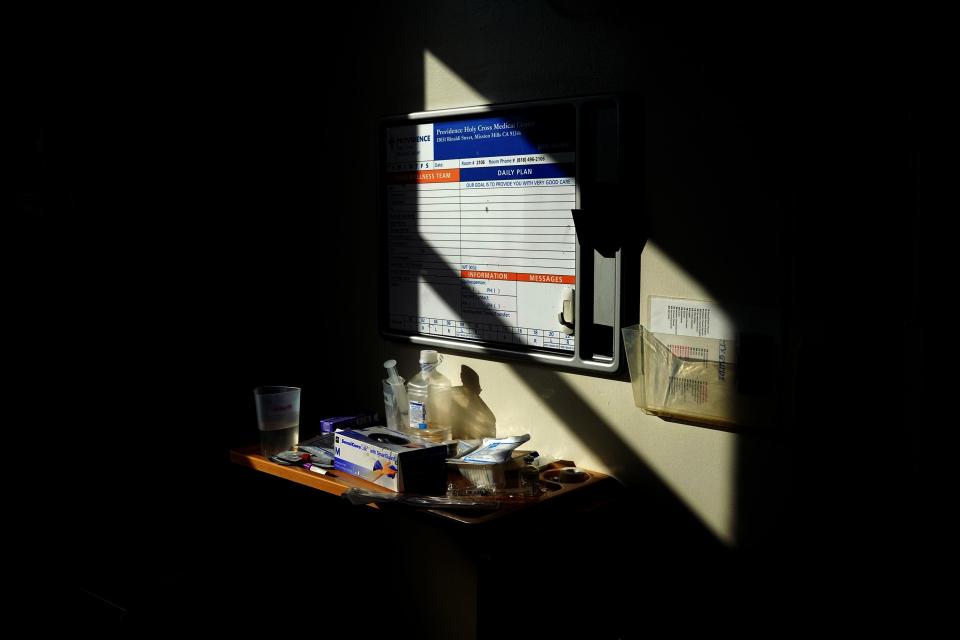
391 367
429 356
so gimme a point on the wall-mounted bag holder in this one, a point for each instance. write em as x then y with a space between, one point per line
705 381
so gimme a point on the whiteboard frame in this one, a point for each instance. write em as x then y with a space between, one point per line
574 361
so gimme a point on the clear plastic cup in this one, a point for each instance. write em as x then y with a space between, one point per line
278 418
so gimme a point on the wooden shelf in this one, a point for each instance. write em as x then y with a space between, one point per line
337 482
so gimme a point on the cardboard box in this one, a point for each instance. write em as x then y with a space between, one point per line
392 459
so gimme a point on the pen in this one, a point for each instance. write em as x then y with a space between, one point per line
317 469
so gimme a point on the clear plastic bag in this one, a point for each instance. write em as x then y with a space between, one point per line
696 381
364 496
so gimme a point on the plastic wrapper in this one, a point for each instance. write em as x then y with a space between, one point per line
364 496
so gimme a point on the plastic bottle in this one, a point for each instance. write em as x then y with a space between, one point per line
428 394
395 404
470 417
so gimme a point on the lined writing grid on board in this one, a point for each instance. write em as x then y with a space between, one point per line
481 246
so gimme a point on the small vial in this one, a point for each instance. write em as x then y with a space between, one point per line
530 474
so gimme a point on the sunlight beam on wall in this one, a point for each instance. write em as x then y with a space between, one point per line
443 88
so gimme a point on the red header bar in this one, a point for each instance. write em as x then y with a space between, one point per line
549 278
488 275
546 278
424 177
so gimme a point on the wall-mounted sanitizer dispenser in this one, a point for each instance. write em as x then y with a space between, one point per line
513 230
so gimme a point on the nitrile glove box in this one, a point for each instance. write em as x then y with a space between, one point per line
392 460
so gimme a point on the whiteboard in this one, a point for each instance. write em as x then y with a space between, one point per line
479 238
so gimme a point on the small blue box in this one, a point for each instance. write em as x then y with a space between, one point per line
364 419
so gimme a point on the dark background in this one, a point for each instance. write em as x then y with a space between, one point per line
164 229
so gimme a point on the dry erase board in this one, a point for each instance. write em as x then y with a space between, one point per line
480 246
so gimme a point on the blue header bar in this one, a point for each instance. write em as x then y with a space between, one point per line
546 132
518 172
